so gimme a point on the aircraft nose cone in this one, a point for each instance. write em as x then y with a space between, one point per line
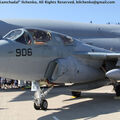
113 74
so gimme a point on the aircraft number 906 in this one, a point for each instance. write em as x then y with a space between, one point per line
24 52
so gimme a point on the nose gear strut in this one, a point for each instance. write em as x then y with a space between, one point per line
39 97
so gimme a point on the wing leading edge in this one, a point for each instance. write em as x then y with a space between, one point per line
97 55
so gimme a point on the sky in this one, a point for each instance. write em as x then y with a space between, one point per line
99 14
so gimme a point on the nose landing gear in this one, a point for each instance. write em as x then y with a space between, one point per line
39 98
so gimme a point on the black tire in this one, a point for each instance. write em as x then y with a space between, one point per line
36 107
44 105
117 90
76 94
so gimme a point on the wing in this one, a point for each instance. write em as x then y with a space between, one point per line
112 72
97 55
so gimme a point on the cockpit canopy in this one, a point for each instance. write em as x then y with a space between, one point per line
35 36
39 36
26 36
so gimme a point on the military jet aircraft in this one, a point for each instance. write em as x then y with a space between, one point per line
37 55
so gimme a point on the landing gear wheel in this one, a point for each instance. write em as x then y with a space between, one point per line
117 90
39 97
44 105
76 94
36 107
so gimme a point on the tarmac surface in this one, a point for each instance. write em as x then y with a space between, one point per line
97 104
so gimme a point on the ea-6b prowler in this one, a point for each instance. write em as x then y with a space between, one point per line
42 55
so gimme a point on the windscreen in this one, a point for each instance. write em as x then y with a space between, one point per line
13 35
